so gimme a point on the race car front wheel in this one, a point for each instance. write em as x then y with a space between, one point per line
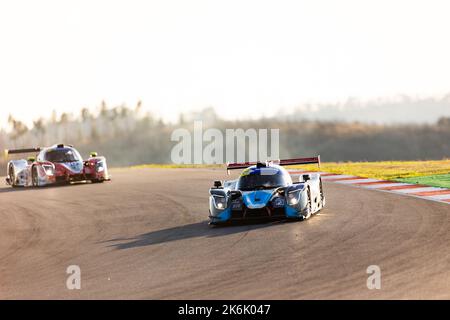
12 176
308 209
34 177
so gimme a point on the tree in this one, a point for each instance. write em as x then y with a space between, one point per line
444 122
85 114
39 126
18 128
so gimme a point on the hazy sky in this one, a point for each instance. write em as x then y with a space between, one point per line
238 56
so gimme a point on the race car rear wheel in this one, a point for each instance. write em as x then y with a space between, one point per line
97 180
34 177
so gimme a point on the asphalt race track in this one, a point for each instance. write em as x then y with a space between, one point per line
145 235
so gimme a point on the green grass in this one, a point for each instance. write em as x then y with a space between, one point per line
385 170
442 180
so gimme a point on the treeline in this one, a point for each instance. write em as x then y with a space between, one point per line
129 136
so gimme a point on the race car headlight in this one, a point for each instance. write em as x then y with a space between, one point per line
278 202
293 197
220 202
49 170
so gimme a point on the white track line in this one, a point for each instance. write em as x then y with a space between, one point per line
439 197
356 181
385 185
418 190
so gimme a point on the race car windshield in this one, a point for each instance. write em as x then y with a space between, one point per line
62 155
266 178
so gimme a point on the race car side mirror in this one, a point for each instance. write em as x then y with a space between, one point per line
217 184
306 177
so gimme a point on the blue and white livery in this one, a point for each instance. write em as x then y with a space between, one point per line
266 190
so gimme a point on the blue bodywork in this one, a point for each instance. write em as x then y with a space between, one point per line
256 199
274 196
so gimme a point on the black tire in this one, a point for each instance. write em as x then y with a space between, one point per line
34 177
308 206
12 179
97 180
322 195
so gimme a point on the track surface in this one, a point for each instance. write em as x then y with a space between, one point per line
145 235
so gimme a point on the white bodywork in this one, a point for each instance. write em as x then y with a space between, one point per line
19 173
44 171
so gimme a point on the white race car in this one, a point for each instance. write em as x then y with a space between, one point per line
57 164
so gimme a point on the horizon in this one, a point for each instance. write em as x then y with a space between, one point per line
352 109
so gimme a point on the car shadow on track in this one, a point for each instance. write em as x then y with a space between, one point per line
188 231
8 189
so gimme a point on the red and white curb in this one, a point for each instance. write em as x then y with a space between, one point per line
415 190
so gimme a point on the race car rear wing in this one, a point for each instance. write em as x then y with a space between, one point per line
19 151
289 162
285 162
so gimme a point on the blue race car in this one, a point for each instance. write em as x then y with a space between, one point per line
266 190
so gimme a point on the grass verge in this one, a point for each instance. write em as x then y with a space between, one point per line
386 170
442 180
